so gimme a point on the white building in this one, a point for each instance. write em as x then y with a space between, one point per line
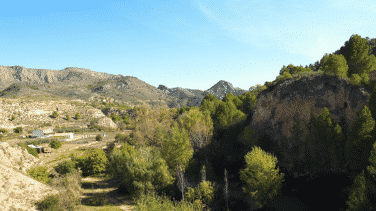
69 136
41 132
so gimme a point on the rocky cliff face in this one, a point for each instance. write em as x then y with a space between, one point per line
278 104
194 97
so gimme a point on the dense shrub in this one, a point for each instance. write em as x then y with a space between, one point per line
121 138
40 174
115 117
13 118
49 203
55 144
205 192
77 116
55 114
65 167
18 130
1 136
68 117
2 130
99 137
32 151
94 162
141 169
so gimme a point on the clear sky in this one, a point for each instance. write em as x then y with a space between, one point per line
188 44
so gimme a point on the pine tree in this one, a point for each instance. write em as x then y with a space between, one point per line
372 103
263 181
358 199
356 51
361 141
325 141
336 65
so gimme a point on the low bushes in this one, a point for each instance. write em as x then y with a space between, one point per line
121 138
18 130
99 137
2 130
55 144
40 174
65 167
65 200
152 201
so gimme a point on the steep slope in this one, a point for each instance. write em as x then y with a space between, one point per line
277 106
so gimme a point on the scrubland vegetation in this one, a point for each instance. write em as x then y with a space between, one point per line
182 158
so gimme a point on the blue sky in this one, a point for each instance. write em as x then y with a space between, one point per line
188 44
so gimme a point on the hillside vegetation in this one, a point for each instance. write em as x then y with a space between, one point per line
195 155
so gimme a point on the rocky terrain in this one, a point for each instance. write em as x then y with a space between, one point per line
31 114
17 190
84 84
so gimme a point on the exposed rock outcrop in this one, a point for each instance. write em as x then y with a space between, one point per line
278 104
106 122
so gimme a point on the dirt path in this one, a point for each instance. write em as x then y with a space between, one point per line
91 186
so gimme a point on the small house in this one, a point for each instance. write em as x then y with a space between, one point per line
37 133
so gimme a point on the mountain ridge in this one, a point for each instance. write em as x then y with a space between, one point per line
86 84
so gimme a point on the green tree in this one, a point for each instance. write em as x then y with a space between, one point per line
284 76
371 169
176 149
361 140
13 118
55 144
249 101
335 64
199 127
68 117
142 170
99 137
234 99
358 199
55 114
94 162
291 69
328 142
356 51
356 79
77 116
248 137
226 114
18 130
209 104
65 167
262 181
204 192
160 135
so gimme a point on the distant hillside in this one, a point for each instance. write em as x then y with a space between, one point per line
87 85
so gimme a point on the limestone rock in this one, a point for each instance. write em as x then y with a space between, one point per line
106 122
277 105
